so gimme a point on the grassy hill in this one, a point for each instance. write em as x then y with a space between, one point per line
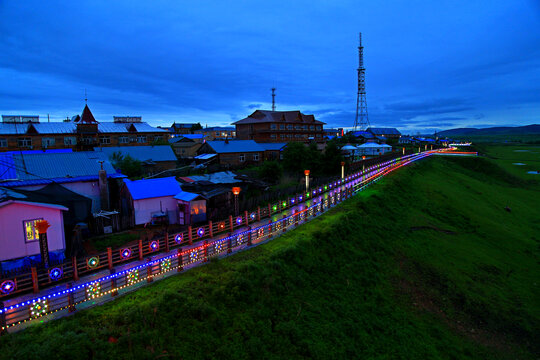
426 264
500 130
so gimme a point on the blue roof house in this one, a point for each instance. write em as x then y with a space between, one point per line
234 153
161 200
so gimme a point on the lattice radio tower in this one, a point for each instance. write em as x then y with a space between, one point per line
361 121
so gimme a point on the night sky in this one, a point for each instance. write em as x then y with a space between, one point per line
429 64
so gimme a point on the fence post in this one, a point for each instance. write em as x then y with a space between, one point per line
149 277
210 230
109 258
71 302
190 235
35 284
166 242
180 260
296 216
247 217
3 330
114 290
249 236
75 269
258 213
284 223
140 250
231 224
269 228
229 243
205 250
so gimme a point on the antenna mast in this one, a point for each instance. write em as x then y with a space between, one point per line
273 99
361 121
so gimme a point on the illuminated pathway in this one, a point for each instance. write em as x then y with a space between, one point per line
92 289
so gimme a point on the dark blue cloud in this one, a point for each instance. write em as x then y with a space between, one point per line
214 62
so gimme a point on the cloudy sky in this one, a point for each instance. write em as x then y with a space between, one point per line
429 64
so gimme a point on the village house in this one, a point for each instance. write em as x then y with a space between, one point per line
19 238
154 159
279 126
273 151
185 147
80 133
234 153
385 134
160 201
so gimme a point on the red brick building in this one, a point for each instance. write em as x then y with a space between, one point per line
279 126
81 133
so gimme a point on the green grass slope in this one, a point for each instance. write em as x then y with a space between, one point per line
427 264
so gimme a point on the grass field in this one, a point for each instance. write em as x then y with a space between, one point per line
427 264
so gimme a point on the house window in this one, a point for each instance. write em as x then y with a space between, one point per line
104 139
273 136
289 127
123 139
47 142
256 157
282 136
289 136
70 140
24 142
242 157
141 139
318 136
297 127
30 230
281 127
312 127
217 133
233 134
318 127
304 127
87 140
280 156
272 126
3 142
297 135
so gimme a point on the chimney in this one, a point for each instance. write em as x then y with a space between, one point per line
103 188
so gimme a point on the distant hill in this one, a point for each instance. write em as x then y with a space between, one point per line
501 130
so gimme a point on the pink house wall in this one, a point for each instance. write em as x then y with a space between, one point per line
12 234
144 209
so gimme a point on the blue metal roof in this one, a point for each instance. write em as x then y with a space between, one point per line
235 146
42 168
141 153
152 188
7 167
272 146
384 131
364 134
205 156
186 196
192 136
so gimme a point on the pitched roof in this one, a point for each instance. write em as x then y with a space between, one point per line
87 116
364 134
272 146
222 177
71 127
43 168
152 188
141 153
219 128
384 131
264 116
186 196
234 146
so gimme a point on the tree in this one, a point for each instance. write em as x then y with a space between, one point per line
194 127
295 157
332 158
270 171
129 166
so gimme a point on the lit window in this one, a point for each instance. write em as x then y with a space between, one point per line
30 230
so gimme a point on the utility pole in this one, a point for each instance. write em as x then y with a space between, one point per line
274 99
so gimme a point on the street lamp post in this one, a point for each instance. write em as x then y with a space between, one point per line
343 169
306 172
403 151
42 227
236 191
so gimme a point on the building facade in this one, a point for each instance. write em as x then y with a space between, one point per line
279 126
80 133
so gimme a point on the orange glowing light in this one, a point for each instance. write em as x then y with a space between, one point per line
306 172
236 190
